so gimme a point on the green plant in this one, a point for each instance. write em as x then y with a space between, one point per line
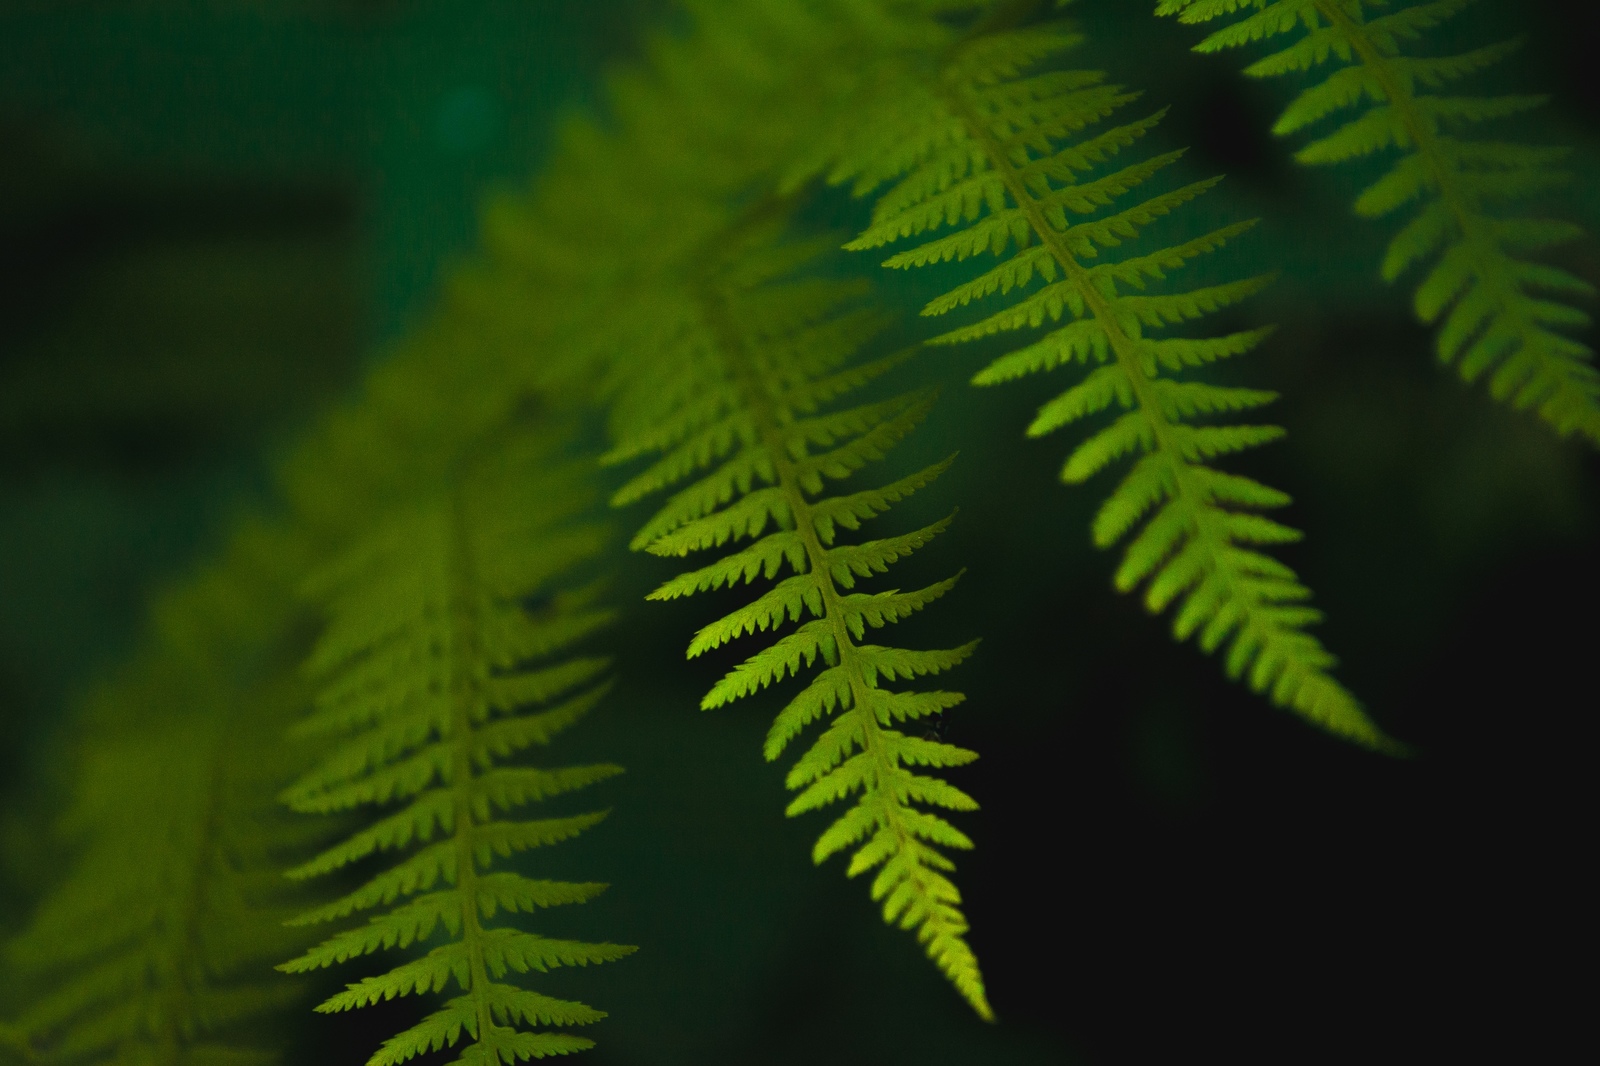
1500 314
428 671
420 595
744 411
983 142
155 945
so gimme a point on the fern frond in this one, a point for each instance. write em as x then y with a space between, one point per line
153 948
436 593
675 162
1501 317
1055 211
768 360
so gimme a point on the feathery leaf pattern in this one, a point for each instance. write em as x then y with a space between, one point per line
1500 315
751 432
995 143
432 672
158 945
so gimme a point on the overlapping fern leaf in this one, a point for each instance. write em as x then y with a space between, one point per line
157 948
433 672
742 415
997 145
1501 315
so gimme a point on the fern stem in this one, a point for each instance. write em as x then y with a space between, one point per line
1121 344
1403 101
191 948
749 383
1465 211
464 690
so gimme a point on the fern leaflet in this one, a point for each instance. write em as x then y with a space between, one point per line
433 672
985 145
751 426
1499 313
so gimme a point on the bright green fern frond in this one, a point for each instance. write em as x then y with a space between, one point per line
436 669
752 448
1500 316
1048 194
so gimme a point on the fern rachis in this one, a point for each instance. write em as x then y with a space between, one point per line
757 426
1002 168
1498 314
434 598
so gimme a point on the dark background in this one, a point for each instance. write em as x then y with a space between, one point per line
212 215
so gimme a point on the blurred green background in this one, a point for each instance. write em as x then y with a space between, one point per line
214 214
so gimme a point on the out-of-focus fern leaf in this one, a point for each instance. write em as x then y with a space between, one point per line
740 410
737 99
1006 149
433 672
158 946
1501 315
230 627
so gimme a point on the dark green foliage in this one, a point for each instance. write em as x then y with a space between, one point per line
421 600
743 412
157 946
431 673
149 953
1502 316
235 628
989 143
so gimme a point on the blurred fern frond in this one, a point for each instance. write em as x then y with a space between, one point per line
1501 315
741 412
736 104
994 144
432 672
157 947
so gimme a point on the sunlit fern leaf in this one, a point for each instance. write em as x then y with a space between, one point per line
751 441
1023 169
433 673
157 947
1500 314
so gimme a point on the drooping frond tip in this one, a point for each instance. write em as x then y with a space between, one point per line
1501 316
1015 172
750 443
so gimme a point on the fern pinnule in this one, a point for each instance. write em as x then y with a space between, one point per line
433 672
752 441
1015 171
1501 316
